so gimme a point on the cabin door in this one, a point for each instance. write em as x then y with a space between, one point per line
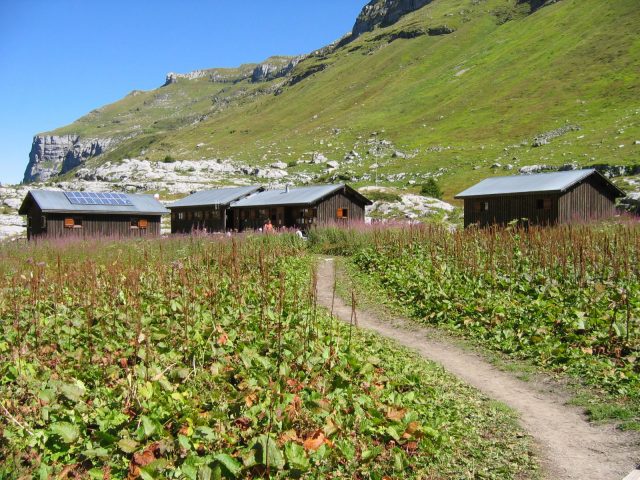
289 218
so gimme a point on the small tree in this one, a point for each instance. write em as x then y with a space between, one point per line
431 189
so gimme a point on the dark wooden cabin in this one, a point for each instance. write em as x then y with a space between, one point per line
541 199
207 210
55 214
300 207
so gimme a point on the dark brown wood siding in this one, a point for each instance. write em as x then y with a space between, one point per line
300 216
189 219
328 209
537 209
95 226
36 222
591 199
588 200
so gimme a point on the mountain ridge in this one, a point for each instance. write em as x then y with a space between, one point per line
459 85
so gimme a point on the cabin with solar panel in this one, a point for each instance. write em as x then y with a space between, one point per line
541 199
56 214
301 207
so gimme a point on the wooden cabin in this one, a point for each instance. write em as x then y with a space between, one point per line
56 214
300 207
541 199
207 210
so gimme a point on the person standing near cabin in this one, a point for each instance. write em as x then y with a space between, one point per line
268 228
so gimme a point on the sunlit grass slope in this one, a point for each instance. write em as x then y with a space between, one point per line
470 98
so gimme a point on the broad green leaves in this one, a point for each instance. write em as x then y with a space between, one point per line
67 432
200 359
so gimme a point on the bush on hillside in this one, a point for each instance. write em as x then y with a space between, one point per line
431 189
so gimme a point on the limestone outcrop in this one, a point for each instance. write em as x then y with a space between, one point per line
52 155
382 13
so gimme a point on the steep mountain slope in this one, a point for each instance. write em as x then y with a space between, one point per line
449 90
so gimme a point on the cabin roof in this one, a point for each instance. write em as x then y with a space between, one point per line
557 182
296 196
50 201
220 196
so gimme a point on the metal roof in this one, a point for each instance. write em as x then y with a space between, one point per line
221 196
292 196
556 182
51 201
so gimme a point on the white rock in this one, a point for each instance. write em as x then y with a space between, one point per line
333 165
14 203
318 158
532 169
11 226
279 165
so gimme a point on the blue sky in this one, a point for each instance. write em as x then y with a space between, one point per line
60 59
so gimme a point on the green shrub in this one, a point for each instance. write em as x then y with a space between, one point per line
169 159
431 189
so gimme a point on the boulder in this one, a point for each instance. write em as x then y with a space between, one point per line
279 165
318 158
333 165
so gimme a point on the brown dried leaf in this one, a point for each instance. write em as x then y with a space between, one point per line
289 436
142 459
315 441
250 399
396 414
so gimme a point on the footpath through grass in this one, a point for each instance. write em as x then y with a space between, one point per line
566 299
203 359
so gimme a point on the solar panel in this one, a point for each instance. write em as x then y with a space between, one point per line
92 198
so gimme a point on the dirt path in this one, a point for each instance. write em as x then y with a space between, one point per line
570 448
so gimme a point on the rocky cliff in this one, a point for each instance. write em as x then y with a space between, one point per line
52 155
381 13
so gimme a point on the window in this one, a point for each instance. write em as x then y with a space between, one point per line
198 215
43 222
180 215
543 204
75 222
343 213
141 223
479 207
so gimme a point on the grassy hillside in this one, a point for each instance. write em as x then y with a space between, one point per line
474 97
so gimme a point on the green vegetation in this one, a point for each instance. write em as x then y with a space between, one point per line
564 299
469 99
380 196
431 189
198 358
